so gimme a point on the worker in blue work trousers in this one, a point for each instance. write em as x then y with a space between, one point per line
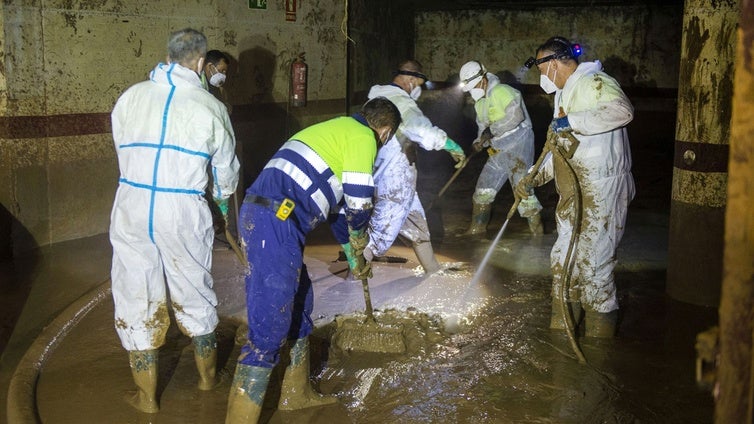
319 170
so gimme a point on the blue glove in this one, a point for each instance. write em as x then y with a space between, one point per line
455 151
222 204
561 124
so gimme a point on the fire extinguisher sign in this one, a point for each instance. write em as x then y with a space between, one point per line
298 81
290 10
257 4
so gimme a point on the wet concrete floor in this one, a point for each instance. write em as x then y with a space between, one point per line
498 364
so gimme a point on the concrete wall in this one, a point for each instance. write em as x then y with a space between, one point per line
637 44
64 63
383 35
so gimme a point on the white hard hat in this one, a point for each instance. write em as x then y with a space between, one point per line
471 73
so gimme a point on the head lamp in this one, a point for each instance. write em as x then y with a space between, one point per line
412 74
481 72
531 61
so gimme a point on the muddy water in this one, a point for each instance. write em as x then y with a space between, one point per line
502 366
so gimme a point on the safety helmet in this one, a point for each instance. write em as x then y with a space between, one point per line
471 73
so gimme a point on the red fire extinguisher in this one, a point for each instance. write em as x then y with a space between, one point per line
298 81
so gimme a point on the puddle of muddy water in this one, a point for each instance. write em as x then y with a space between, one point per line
504 366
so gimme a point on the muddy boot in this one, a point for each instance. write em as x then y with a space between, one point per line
205 355
296 391
600 324
247 394
426 257
535 224
144 371
480 216
574 312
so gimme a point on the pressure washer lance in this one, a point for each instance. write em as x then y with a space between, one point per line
550 145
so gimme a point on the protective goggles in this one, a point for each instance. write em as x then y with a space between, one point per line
573 51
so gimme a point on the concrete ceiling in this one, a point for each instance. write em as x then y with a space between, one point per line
432 5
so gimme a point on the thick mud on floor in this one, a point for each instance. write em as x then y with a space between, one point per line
496 362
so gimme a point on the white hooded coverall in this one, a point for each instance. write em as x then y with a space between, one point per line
167 130
512 140
397 209
598 112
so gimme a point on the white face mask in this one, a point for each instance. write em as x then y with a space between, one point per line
200 67
416 92
476 94
547 85
383 138
217 80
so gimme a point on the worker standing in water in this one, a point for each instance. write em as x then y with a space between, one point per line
397 209
305 182
590 106
167 132
504 128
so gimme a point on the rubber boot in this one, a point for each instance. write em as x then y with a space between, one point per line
480 217
144 371
535 224
574 312
599 324
296 391
247 394
426 257
205 355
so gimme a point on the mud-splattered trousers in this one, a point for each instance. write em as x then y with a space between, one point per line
167 131
330 164
598 112
502 110
397 209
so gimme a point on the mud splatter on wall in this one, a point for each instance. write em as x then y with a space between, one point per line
64 64
640 38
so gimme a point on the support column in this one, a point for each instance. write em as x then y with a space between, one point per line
705 92
734 403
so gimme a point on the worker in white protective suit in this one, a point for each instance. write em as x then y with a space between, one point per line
397 209
591 107
167 131
504 128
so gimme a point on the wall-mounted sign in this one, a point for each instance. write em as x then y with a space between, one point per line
290 10
257 4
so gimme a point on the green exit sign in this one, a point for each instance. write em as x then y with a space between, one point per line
257 4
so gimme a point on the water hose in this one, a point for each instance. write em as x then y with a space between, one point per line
569 262
563 154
